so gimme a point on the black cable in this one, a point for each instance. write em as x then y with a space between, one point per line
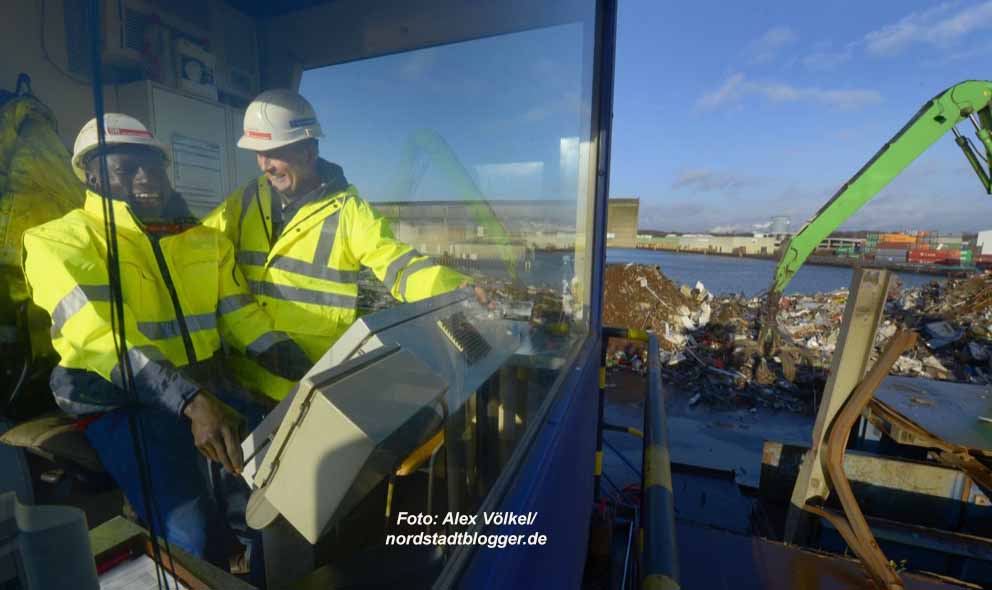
610 481
976 150
261 215
622 458
117 302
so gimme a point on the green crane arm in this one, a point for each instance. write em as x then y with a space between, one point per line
432 145
938 116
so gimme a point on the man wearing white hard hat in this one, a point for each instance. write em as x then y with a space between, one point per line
303 233
182 293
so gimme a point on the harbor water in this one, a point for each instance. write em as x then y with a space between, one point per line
750 276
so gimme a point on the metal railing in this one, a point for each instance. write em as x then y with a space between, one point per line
656 538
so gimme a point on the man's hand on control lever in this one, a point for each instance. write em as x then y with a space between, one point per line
216 430
480 294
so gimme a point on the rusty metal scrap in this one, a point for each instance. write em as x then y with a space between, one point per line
711 343
854 528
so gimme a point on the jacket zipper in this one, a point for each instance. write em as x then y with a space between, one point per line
183 328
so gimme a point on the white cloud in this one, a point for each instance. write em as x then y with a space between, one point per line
731 90
737 87
568 102
941 25
417 65
897 209
510 179
726 229
978 52
826 58
909 202
702 180
766 48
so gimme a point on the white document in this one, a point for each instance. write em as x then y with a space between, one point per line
197 166
136 574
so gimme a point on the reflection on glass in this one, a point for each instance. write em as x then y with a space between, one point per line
479 154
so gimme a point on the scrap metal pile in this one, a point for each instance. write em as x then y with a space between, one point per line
712 354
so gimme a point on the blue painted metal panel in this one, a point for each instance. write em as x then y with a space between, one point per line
556 482
14 473
556 476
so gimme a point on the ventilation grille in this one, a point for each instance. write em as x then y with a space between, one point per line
465 337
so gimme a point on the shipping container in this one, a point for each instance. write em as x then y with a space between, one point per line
895 245
891 253
898 238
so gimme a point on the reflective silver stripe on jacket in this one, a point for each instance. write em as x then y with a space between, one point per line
322 254
394 268
300 267
251 257
172 329
302 295
265 342
76 300
408 271
140 357
233 303
313 270
77 408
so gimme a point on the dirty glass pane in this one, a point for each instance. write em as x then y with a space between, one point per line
477 150
479 154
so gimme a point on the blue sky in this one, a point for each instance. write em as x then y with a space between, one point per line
725 113
501 105
728 113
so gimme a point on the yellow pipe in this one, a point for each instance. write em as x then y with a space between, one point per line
659 582
657 469
421 455
389 498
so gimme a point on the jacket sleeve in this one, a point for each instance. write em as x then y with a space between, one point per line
245 325
80 392
69 280
226 217
408 274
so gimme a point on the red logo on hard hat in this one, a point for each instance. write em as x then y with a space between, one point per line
121 131
258 134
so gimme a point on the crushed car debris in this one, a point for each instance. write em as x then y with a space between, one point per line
710 348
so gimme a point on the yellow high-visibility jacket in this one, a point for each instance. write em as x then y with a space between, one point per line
182 294
307 276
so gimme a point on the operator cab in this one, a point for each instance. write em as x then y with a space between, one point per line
479 132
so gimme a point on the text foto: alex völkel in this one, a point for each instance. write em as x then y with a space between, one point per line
460 519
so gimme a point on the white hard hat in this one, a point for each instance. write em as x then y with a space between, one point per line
118 129
277 118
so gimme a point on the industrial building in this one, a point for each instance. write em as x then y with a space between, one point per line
753 245
465 229
621 231
984 243
779 225
832 244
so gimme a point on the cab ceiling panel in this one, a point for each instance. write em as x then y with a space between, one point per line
326 33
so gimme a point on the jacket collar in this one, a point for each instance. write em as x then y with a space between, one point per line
332 175
122 212
176 210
